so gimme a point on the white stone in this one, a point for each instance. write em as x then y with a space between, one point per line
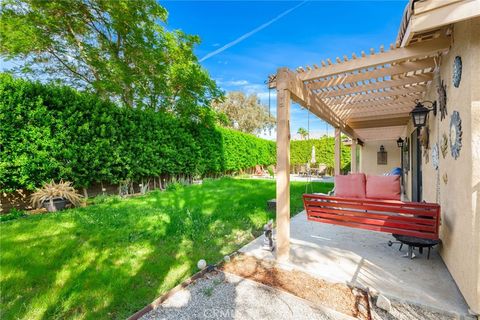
226 258
201 264
384 303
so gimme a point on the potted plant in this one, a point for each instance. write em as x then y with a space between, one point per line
54 196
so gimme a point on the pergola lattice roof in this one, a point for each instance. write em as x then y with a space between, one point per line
374 90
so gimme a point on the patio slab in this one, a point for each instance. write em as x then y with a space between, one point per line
364 259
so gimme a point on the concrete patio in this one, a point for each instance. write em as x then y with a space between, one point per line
364 259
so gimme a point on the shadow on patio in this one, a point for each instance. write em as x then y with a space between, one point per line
364 259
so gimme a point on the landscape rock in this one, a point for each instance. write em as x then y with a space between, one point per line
384 303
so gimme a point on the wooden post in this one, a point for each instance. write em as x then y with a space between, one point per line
338 151
283 174
353 155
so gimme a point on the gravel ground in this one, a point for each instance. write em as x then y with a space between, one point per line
335 296
221 295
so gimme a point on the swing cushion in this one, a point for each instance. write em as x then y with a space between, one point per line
383 187
350 186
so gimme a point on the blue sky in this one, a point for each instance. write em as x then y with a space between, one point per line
312 32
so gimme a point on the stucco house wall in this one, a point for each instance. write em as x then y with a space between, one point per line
368 157
456 183
459 194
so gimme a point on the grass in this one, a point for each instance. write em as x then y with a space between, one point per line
110 259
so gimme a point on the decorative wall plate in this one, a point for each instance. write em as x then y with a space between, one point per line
444 145
435 156
425 137
424 140
457 71
442 99
455 134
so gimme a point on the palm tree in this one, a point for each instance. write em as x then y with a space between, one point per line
303 133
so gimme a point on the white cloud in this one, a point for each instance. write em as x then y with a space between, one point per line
236 83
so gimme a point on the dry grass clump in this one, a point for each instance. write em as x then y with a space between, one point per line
53 190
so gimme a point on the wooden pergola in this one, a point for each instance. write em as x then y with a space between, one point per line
367 97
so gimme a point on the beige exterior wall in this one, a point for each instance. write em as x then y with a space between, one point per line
459 197
368 157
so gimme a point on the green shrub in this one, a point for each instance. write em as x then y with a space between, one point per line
12 215
301 152
271 171
174 186
53 132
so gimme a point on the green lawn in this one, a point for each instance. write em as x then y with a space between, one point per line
110 259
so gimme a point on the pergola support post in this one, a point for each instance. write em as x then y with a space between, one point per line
283 174
353 156
338 151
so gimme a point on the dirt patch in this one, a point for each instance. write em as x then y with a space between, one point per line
340 297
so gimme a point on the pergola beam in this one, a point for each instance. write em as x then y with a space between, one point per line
401 68
380 112
376 117
390 122
409 80
398 55
288 80
374 106
382 133
374 96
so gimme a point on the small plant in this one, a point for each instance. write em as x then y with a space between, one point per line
174 186
101 198
271 171
52 193
12 215
208 291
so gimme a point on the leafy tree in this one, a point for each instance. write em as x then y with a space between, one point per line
244 113
119 49
303 133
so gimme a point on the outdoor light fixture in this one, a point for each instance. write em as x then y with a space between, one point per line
400 142
420 113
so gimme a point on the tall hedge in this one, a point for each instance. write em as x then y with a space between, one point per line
52 132
301 152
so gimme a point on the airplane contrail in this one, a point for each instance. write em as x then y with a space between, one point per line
248 34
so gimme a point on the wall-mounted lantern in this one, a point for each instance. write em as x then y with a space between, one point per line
420 112
400 142
382 155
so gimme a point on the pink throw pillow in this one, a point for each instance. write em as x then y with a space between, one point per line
350 186
383 187
358 174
